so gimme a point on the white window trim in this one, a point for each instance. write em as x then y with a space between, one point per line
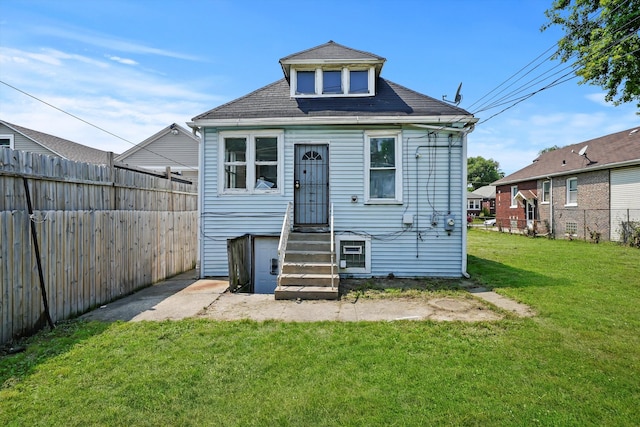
545 202
514 203
567 203
367 164
319 83
476 204
250 161
8 136
367 255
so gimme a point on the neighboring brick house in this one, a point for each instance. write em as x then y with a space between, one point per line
583 191
482 199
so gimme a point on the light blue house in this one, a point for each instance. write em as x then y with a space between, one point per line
332 149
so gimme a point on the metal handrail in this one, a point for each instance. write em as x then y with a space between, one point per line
333 252
284 237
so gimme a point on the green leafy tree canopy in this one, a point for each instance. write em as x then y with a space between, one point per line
546 150
602 37
481 171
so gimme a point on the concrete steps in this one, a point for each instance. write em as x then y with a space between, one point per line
306 271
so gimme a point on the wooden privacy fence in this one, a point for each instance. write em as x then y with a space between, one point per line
102 233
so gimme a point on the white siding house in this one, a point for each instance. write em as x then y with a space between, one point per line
174 147
332 132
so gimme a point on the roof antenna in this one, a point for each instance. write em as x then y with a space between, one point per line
458 97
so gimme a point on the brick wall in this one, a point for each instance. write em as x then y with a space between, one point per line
506 215
591 212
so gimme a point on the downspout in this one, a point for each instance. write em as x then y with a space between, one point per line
551 206
449 175
463 141
199 215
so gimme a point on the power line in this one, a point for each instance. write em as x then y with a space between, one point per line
91 124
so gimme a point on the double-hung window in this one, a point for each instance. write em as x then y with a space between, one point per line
383 167
473 204
572 191
514 193
546 191
252 162
6 141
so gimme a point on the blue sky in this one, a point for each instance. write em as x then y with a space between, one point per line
133 67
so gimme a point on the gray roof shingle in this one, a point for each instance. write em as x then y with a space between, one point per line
606 151
331 50
67 149
275 101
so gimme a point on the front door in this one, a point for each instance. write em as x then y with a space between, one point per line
311 181
531 213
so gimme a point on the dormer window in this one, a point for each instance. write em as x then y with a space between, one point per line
332 82
358 81
306 83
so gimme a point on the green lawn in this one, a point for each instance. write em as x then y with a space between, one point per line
576 363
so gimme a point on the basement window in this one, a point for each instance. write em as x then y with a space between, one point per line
353 253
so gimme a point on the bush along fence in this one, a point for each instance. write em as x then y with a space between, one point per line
595 225
74 236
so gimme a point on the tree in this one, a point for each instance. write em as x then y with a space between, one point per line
546 150
601 36
481 171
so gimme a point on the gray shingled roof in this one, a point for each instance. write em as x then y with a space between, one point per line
275 101
67 149
331 50
604 152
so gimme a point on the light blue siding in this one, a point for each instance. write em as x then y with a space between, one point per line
431 192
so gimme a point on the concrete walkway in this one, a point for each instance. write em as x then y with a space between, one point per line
187 296
175 298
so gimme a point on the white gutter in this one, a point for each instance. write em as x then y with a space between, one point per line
466 129
331 120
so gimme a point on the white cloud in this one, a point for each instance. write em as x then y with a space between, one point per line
129 102
110 42
122 60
